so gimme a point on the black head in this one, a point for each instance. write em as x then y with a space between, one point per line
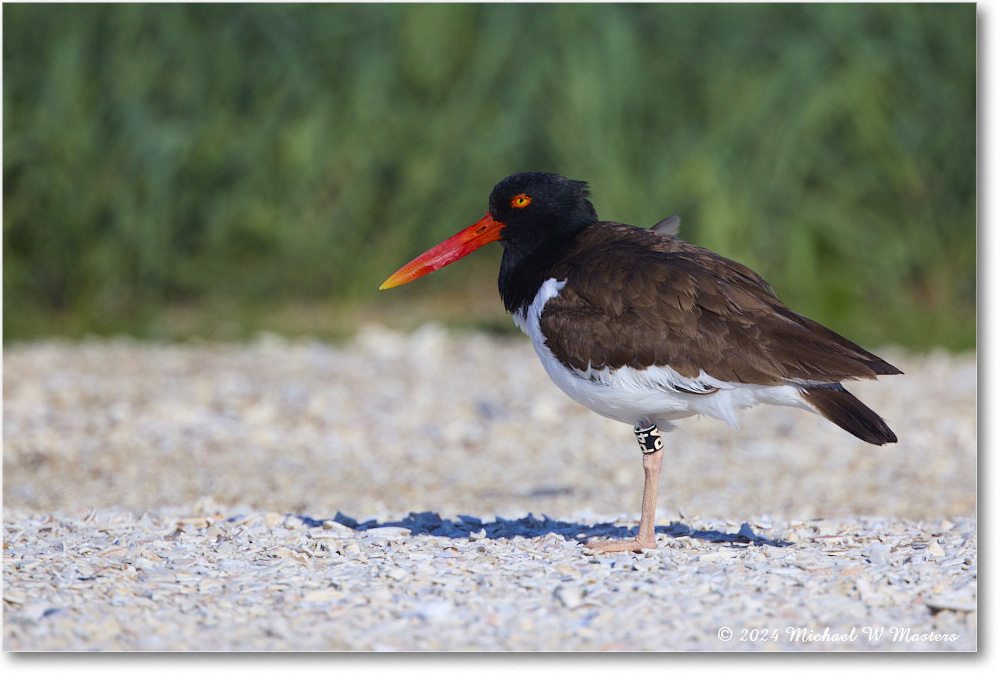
539 207
540 214
533 215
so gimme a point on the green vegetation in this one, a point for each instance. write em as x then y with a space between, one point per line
233 160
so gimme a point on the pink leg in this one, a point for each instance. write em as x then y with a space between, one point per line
652 462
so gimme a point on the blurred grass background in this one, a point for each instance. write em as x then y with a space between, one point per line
172 171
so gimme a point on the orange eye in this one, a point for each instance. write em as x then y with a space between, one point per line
520 201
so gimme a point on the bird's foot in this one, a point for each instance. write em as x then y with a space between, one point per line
617 545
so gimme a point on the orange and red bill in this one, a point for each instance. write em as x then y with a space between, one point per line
448 251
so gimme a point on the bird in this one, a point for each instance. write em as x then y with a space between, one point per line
645 328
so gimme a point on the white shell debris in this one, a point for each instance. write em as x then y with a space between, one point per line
878 554
122 582
286 495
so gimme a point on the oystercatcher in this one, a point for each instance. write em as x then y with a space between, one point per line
644 328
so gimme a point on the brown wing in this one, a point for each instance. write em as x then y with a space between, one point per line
639 299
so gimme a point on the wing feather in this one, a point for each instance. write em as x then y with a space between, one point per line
635 298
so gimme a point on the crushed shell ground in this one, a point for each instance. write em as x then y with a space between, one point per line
431 492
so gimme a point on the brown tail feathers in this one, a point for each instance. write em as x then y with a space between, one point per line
839 406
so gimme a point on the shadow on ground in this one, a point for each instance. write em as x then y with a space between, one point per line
530 527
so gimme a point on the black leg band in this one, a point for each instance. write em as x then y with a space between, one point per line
649 439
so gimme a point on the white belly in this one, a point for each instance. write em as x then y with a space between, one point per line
637 396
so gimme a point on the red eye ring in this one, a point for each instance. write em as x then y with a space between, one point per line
520 201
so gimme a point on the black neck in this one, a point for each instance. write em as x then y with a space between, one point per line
524 270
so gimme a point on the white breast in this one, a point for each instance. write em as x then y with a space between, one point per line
639 396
